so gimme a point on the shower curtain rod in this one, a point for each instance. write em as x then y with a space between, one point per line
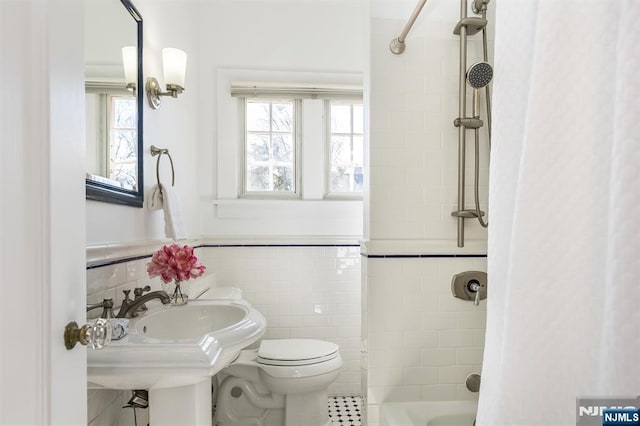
397 44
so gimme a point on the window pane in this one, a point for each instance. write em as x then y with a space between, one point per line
257 116
358 119
125 173
347 148
358 151
123 145
124 113
282 178
270 151
340 119
282 147
358 178
340 150
258 178
282 120
339 179
257 147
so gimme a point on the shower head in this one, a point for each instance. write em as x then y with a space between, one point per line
479 75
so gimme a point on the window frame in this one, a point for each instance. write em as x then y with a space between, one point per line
111 130
297 154
328 194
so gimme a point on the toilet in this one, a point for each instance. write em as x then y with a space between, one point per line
282 383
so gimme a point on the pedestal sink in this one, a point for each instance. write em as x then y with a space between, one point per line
173 351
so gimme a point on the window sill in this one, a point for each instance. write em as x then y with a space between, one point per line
286 209
248 202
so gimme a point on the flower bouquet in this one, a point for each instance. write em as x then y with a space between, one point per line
175 264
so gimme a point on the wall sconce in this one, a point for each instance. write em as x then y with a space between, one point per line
130 63
174 63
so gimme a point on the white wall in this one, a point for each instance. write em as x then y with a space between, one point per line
419 342
303 292
325 37
322 37
271 38
173 126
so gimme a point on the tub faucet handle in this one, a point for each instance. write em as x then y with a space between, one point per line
474 287
470 285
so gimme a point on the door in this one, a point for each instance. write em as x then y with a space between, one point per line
42 212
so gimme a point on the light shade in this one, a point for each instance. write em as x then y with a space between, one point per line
174 62
130 63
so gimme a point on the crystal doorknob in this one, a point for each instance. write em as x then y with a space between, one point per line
95 335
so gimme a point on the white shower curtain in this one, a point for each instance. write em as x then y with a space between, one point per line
563 316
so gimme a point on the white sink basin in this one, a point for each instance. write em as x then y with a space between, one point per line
171 346
168 324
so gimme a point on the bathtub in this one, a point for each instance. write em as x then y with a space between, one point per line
428 413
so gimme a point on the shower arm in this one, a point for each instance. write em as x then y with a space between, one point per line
397 45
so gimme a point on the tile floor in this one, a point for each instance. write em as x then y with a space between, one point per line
345 410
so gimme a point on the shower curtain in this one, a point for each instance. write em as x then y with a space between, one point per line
563 311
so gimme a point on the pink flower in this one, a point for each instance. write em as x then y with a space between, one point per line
175 263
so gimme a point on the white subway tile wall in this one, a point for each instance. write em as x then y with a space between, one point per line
413 172
419 342
422 342
105 408
303 292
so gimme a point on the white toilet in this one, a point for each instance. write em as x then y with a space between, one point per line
282 383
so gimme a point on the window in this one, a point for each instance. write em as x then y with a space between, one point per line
123 141
112 135
270 147
346 144
290 141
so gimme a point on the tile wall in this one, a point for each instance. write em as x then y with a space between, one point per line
413 164
419 342
105 409
422 342
303 292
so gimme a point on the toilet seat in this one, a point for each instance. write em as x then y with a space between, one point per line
295 352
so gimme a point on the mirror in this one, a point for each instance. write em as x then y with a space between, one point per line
113 110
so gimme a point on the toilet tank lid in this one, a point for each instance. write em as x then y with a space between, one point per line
296 349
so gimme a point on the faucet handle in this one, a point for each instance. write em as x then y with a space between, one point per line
107 308
139 290
474 287
470 285
107 311
138 293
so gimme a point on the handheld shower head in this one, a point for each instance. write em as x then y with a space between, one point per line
478 76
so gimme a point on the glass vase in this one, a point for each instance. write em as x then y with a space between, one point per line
177 291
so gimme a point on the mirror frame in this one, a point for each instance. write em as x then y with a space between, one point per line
98 191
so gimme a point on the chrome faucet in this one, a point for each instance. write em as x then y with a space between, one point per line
128 309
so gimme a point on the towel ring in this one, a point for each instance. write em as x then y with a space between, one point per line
159 151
